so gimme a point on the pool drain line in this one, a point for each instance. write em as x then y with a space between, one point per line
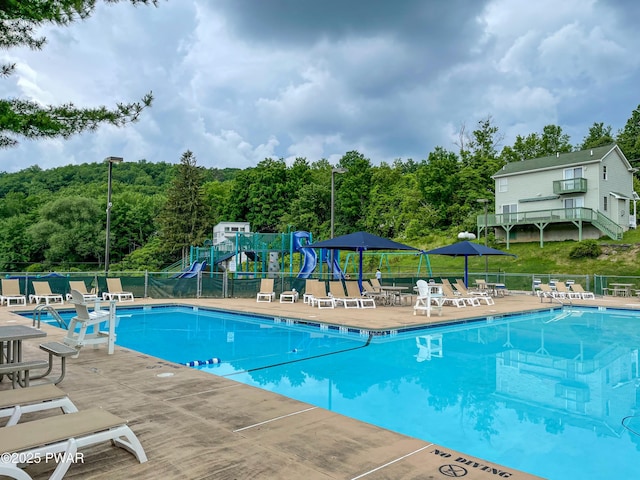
366 344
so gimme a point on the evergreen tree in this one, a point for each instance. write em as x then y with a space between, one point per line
629 138
183 218
29 119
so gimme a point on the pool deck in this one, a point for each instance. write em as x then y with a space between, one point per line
194 425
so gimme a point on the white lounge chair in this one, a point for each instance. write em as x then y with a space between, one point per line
81 287
14 403
308 295
336 290
11 292
115 291
456 300
370 292
579 289
63 435
460 287
266 293
353 291
43 292
319 296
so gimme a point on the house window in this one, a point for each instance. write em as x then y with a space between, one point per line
503 185
574 202
570 174
604 204
510 212
604 172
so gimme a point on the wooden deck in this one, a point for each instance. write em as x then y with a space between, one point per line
194 425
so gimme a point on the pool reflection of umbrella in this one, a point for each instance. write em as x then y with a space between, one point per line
360 242
466 250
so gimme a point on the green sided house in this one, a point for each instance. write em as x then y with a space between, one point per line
567 196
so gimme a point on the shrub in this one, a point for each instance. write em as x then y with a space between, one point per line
586 249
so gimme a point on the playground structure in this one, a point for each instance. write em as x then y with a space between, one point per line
252 254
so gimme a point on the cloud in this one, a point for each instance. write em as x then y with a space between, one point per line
236 81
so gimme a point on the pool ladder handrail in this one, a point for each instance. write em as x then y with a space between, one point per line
37 316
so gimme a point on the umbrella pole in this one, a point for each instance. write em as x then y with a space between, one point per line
466 271
360 272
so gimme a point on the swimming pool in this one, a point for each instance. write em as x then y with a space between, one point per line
552 393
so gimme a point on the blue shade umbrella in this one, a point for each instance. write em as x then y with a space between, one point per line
466 250
360 242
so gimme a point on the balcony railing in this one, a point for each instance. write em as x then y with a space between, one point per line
573 185
556 215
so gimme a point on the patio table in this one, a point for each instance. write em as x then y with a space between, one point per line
621 289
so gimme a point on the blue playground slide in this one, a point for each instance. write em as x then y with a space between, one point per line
192 271
310 259
335 268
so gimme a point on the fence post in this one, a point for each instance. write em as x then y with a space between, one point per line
225 286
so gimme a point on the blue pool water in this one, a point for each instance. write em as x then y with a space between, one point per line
554 394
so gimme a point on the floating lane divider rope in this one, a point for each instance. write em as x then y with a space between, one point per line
196 363
368 342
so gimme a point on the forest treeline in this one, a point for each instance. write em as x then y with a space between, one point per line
55 219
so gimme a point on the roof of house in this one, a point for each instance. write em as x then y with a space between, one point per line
557 161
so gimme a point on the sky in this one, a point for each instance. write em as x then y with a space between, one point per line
238 81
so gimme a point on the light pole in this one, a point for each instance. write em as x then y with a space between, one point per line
333 194
485 202
110 161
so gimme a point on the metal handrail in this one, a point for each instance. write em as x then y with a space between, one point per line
37 316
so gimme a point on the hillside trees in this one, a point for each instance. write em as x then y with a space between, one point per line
550 141
183 220
598 136
629 138
352 193
67 231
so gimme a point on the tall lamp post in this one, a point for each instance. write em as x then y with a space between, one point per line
110 161
485 202
333 194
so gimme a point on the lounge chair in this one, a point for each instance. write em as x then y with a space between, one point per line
375 283
429 297
115 291
460 287
563 292
43 292
14 403
456 300
578 288
290 296
336 290
63 435
370 292
546 291
11 292
308 295
81 287
353 291
319 296
266 293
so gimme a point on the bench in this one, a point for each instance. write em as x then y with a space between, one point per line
61 351
19 371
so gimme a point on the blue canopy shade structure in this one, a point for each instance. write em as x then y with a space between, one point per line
466 250
360 242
